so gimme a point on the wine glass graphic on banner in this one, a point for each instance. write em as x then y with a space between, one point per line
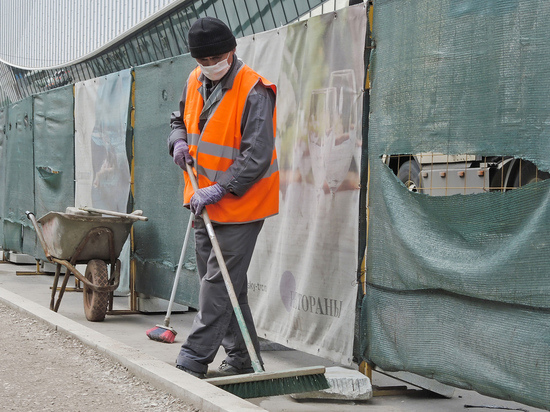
320 125
341 146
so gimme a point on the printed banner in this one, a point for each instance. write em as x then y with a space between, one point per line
302 285
102 170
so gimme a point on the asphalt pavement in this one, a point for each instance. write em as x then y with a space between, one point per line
121 336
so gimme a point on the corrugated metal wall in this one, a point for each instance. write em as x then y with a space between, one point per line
46 33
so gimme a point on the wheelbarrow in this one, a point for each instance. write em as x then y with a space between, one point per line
85 236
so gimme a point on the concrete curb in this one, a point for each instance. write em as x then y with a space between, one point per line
200 394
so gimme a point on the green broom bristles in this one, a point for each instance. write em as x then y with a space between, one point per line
256 385
274 387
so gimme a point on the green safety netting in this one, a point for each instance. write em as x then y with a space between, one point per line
159 184
19 187
3 161
458 287
53 153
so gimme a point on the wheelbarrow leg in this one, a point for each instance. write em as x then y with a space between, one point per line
111 295
54 287
62 289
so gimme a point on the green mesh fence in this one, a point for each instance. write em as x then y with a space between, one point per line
19 187
458 287
3 166
159 184
462 77
494 348
53 153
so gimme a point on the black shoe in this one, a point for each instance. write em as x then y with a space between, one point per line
190 372
226 369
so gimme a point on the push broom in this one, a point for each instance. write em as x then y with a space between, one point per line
165 333
259 383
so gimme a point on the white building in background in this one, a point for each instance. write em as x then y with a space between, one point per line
46 44
51 33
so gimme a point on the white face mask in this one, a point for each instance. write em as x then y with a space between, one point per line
216 71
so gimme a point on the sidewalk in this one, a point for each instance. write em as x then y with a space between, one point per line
122 337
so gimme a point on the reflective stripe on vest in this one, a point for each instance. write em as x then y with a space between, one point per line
215 149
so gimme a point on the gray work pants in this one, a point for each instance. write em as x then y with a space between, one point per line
215 323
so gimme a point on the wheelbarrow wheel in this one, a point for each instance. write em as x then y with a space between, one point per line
96 303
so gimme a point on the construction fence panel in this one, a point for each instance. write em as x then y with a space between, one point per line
302 279
102 149
19 188
3 169
159 184
53 152
102 136
458 287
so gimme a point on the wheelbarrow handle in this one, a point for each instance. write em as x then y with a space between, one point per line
32 218
132 216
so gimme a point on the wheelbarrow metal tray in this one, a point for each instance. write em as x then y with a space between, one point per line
63 232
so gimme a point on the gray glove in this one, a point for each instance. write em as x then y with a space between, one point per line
206 196
181 154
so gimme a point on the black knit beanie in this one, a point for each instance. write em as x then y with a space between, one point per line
209 36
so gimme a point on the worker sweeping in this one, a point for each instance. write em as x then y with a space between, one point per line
225 128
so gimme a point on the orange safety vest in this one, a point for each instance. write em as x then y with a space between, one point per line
215 149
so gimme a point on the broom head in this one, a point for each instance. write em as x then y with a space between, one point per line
161 333
260 384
